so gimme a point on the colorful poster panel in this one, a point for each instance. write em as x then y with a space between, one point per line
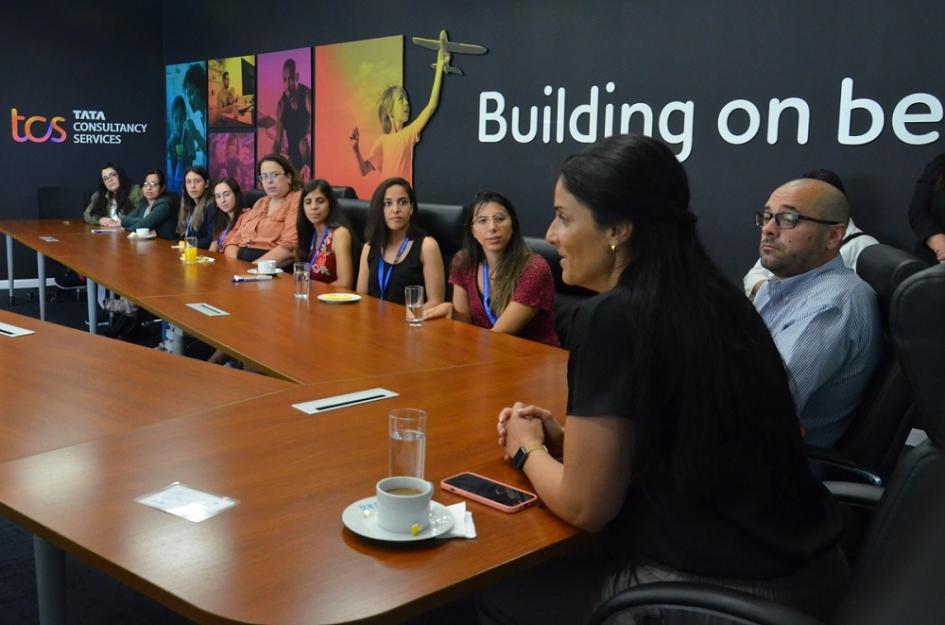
357 84
232 91
232 155
186 89
284 124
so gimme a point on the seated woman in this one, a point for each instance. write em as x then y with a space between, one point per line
198 213
398 253
115 198
229 200
927 212
267 232
497 282
155 212
324 235
680 445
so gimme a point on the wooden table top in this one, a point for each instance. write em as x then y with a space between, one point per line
283 556
61 386
21 227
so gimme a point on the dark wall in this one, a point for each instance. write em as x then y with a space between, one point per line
655 53
82 55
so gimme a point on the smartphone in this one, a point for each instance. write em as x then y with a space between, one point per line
489 492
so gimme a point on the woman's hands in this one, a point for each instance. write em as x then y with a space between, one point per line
443 310
522 425
108 222
936 243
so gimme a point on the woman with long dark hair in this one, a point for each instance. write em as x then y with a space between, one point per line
498 283
927 212
198 212
398 253
681 448
229 200
116 197
324 235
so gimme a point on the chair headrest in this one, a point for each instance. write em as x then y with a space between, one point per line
918 332
443 222
550 254
884 268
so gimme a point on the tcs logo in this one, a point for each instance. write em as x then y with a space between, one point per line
36 128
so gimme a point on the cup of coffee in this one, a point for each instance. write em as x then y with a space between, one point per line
266 266
142 232
403 504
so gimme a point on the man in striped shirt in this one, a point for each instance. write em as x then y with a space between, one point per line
824 319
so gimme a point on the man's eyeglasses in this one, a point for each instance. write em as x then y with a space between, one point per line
788 220
270 177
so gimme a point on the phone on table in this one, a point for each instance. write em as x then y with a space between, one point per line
488 491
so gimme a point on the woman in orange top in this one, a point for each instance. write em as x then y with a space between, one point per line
267 231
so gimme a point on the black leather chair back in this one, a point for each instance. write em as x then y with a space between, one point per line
443 222
900 574
882 421
346 193
357 213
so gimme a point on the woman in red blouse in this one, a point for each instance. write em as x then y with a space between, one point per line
324 235
498 283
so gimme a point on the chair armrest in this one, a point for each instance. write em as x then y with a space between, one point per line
837 461
702 599
856 494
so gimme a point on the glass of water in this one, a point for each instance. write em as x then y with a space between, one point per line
413 300
302 272
407 433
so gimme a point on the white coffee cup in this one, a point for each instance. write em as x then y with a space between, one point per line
142 232
403 504
266 266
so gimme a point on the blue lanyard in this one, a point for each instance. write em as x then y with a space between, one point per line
384 269
313 251
486 304
190 221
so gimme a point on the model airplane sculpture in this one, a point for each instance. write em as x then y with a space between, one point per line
449 48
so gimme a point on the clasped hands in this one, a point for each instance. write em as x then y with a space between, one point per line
526 425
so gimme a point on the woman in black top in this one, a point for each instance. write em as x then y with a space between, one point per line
398 253
116 197
198 212
683 451
927 212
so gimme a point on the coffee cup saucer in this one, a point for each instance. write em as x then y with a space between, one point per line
256 270
361 518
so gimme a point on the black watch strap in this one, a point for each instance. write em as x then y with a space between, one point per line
518 461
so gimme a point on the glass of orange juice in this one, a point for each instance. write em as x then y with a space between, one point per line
190 250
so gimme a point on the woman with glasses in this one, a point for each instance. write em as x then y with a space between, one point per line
927 212
155 211
229 200
398 253
497 282
267 231
115 198
198 212
324 235
680 451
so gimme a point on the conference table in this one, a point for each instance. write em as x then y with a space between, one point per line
282 555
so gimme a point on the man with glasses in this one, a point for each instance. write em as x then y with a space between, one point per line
854 242
824 319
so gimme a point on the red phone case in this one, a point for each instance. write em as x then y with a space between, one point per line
484 500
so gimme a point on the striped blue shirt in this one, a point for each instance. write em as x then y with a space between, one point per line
826 325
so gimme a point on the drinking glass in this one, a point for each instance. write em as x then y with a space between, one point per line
413 300
190 250
302 272
407 434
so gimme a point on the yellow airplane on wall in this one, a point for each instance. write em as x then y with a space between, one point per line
449 48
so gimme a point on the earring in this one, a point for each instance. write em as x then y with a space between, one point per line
613 248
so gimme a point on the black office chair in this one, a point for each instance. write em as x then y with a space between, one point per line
357 213
443 222
62 203
900 574
568 299
251 196
347 193
877 432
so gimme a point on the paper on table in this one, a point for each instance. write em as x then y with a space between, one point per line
463 526
186 502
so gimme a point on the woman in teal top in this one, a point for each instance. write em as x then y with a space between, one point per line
155 211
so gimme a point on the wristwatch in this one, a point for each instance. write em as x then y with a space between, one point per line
518 461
